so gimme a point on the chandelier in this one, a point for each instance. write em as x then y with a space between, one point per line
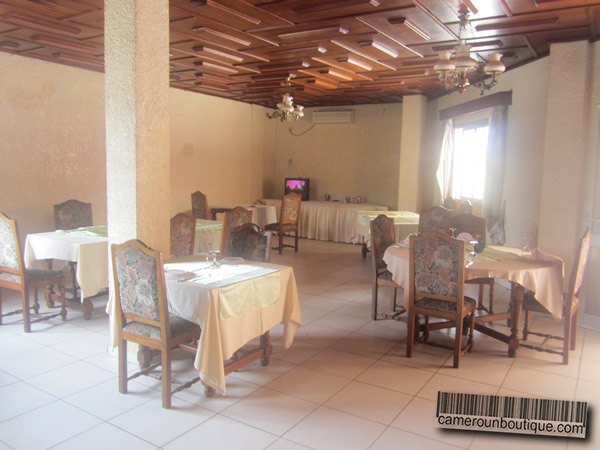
285 109
463 71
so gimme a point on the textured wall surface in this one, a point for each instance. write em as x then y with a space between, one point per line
414 116
359 158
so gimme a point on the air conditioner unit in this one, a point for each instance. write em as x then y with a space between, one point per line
336 116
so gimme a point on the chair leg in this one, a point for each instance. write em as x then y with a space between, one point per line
374 301
458 342
410 336
280 241
395 303
36 303
492 283
573 337
471 331
526 325
165 356
567 321
296 242
26 312
480 299
122 366
63 300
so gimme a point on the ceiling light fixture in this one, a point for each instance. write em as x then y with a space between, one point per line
285 109
458 73
380 47
356 62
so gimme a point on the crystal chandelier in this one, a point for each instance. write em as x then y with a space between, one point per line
285 109
464 71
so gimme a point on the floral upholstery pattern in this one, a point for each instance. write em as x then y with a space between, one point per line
442 305
137 282
382 236
200 205
290 208
73 214
468 223
436 263
250 242
8 245
183 229
434 219
237 217
178 327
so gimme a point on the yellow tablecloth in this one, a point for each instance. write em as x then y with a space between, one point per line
542 277
221 337
88 247
405 222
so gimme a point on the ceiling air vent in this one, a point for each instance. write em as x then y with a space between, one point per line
337 116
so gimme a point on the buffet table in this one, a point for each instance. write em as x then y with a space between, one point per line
330 221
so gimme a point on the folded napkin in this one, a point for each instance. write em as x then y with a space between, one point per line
464 236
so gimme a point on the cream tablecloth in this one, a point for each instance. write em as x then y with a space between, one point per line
405 222
87 249
262 215
224 333
330 221
544 277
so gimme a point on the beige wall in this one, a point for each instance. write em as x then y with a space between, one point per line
53 144
525 147
360 158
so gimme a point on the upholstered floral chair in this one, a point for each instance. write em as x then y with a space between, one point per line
434 219
183 232
289 221
249 241
234 218
72 214
437 272
570 310
142 311
200 205
14 276
382 236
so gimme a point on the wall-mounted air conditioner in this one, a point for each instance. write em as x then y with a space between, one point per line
335 116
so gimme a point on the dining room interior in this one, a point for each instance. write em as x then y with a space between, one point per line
135 125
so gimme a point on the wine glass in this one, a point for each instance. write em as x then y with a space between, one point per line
213 257
526 250
453 232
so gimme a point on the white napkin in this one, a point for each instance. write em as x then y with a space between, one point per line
464 236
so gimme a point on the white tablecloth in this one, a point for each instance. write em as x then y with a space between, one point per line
405 222
89 252
262 215
330 221
542 277
221 337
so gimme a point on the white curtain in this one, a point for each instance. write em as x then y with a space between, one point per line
493 204
444 172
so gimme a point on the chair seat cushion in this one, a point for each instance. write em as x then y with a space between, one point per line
178 325
442 305
33 276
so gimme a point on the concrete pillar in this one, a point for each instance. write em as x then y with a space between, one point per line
565 146
136 42
414 113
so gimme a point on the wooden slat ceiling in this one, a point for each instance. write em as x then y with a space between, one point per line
244 49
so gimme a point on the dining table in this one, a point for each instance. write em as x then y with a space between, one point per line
536 271
233 302
405 223
262 215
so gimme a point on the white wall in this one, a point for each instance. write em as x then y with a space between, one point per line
360 158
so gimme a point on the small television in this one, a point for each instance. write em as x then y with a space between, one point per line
299 186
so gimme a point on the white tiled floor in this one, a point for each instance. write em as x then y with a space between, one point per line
345 383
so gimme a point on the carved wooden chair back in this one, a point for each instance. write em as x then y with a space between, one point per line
434 219
249 241
72 214
289 220
183 233
468 223
200 205
237 217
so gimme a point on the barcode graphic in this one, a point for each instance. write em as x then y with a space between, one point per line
511 414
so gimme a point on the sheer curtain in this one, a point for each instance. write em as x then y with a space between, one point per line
493 205
445 168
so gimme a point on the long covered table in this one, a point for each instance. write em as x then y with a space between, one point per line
542 276
330 221
405 222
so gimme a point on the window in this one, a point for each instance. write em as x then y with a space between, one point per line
468 168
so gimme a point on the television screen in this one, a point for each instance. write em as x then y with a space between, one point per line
299 186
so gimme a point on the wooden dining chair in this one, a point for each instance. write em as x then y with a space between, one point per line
437 273
14 276
183 233
476 227
234 218
382 236
249 241
143 315
570 309
200 205
289 220
434 219
70 215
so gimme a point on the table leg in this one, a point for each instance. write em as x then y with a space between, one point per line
516 294
87 307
